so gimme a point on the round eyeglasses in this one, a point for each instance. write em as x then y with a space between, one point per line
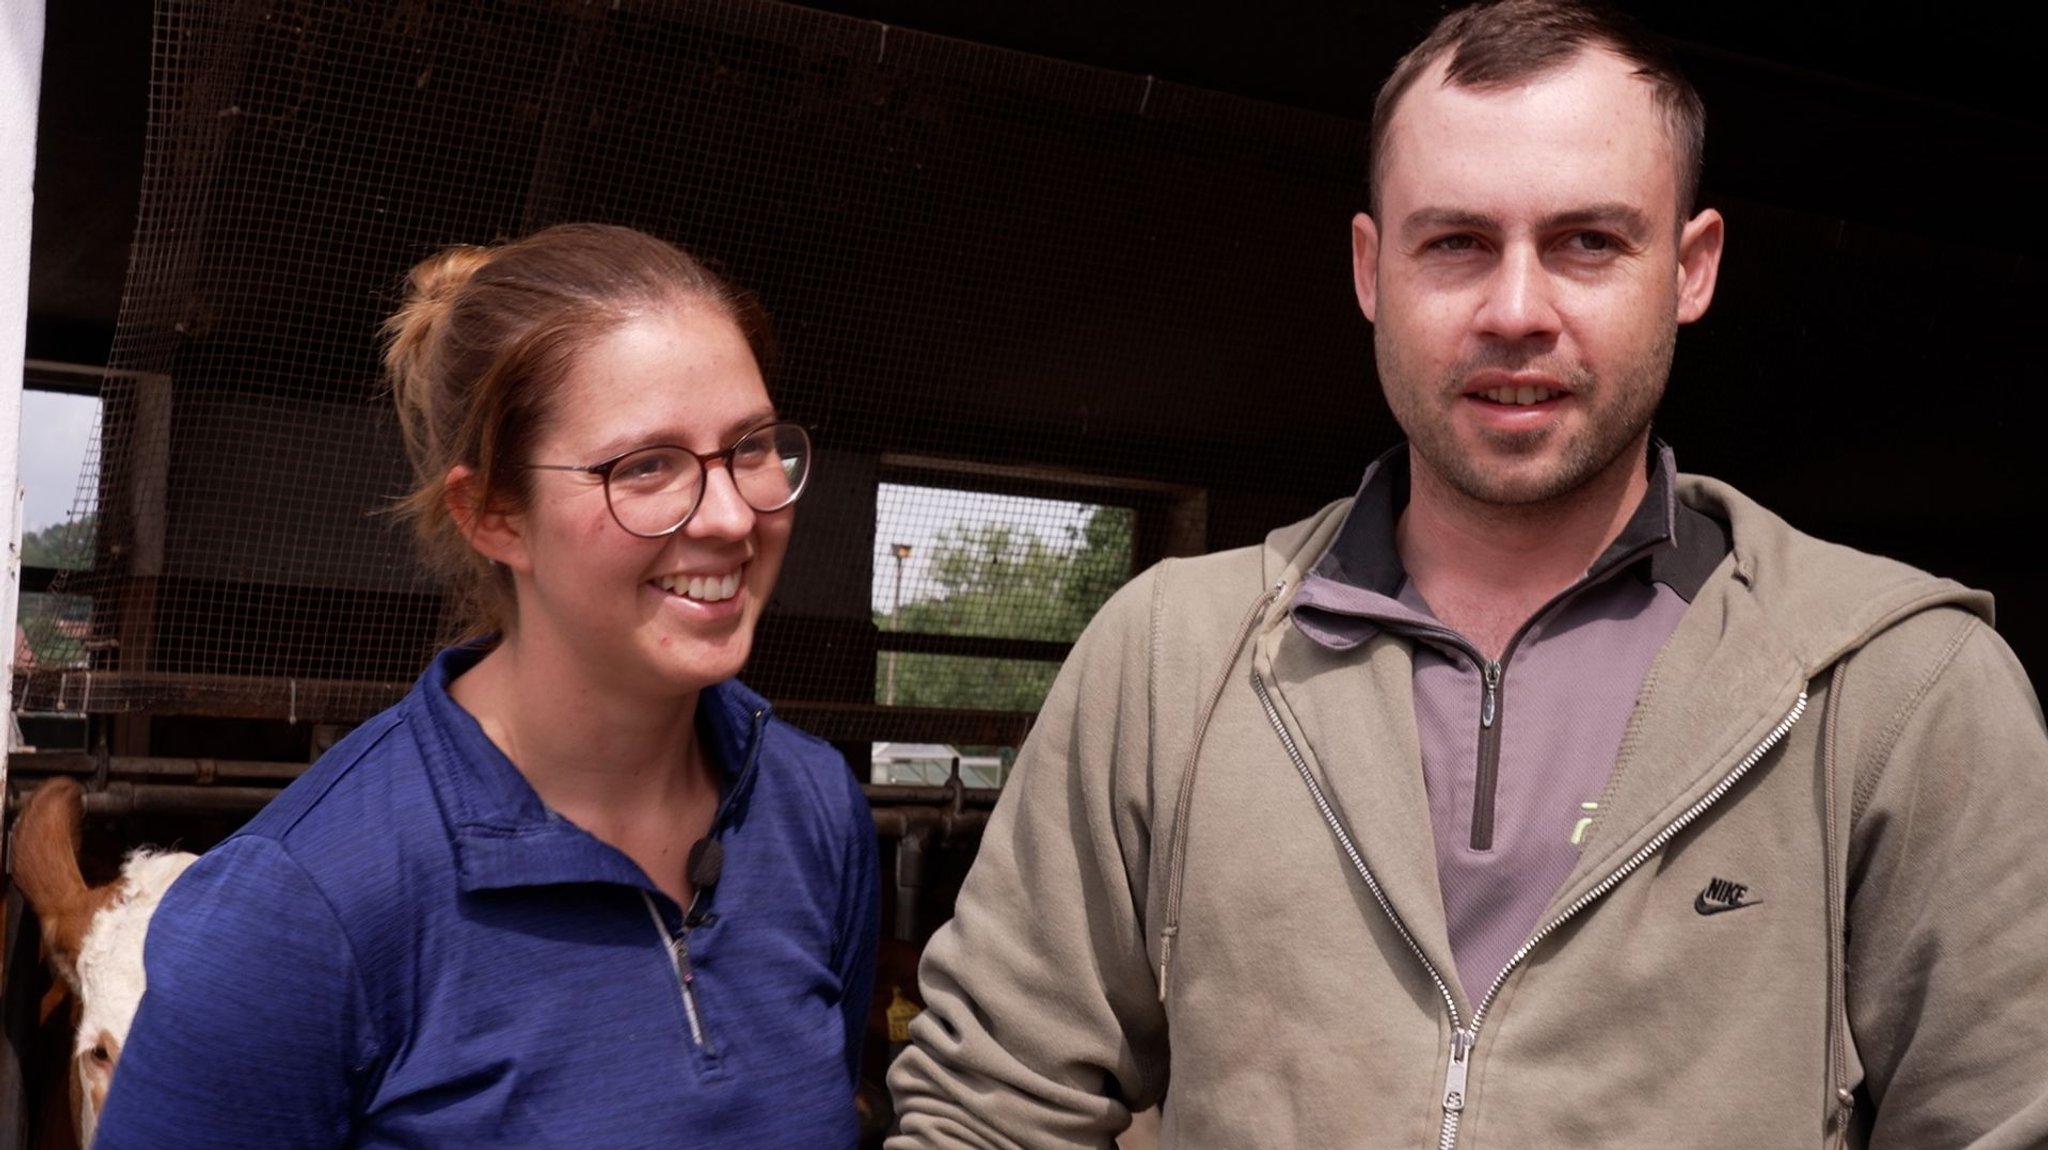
653 491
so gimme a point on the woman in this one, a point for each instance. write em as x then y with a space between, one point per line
579 888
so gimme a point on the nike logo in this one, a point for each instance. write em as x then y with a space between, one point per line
1722 896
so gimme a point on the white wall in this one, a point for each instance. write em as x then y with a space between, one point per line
21 69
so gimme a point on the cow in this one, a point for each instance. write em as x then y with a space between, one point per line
92 935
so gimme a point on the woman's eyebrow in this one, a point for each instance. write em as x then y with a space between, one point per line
635 440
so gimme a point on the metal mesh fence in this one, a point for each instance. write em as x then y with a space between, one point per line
1047 323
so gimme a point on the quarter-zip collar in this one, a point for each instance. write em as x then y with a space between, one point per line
1358 585
504 835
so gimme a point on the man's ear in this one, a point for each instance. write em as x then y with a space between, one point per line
1365 262
495 532
1699 264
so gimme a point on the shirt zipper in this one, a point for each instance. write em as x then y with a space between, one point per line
1486 771
1464 1038
677 947
1488 776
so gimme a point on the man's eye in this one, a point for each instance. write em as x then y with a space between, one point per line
1594 242
1453 244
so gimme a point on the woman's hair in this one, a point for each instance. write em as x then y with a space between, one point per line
483 341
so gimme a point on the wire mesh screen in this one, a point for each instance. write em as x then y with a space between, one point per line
1047 323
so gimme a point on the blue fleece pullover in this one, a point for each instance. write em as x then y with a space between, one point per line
407 948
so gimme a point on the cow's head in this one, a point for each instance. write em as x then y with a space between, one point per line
92 935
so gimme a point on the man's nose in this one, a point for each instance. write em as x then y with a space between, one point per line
1521 300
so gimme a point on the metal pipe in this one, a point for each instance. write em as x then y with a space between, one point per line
123 798
891 794
944 825
203 771
910 864
915 829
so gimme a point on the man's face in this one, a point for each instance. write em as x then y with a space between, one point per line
1526 277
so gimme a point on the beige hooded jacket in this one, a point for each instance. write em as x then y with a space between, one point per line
1261 951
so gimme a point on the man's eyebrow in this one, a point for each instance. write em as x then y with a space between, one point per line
1440 219
1620 216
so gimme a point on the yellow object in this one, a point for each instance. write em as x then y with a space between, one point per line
901 1011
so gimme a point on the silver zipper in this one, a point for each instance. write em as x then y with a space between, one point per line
677 947
1463 1038
1684 820
1454 1085
1491 706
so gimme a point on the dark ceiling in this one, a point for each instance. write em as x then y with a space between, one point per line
1878 113
1877 164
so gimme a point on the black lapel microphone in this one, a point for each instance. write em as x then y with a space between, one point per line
707 862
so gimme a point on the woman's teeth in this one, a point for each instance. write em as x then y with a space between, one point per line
704 588
1518 396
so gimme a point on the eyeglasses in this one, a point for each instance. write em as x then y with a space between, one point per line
653 491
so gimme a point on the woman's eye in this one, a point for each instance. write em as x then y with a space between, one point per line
653 467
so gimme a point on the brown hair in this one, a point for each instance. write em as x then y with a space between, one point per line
1500 45
475 354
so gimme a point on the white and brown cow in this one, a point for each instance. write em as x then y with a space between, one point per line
92 936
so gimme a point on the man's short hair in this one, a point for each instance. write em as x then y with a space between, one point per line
1500 45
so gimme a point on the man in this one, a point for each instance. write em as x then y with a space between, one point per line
1542 797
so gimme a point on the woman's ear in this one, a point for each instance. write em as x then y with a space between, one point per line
494 532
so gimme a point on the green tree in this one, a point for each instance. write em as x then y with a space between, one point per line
66 545
56 624
1001 581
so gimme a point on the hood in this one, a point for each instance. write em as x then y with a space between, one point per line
1823 600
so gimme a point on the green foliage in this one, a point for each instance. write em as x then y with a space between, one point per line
56 624
1000 581
66 545
966 683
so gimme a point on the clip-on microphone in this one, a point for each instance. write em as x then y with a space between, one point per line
707 862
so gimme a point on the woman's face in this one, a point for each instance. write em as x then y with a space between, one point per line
636 616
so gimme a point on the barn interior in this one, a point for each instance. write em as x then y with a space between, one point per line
1055 283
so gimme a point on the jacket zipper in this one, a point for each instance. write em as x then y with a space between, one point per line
1463 1038
677 947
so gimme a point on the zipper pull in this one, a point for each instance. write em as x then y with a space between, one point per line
680 947
1461 1061
1491 706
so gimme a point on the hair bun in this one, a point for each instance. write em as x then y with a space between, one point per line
441 276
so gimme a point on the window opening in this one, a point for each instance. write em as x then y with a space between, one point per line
1022 574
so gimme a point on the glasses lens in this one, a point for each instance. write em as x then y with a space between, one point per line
653 490
770 465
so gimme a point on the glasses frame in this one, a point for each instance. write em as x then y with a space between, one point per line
603 470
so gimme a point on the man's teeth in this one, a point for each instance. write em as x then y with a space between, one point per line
1519 396
707 588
